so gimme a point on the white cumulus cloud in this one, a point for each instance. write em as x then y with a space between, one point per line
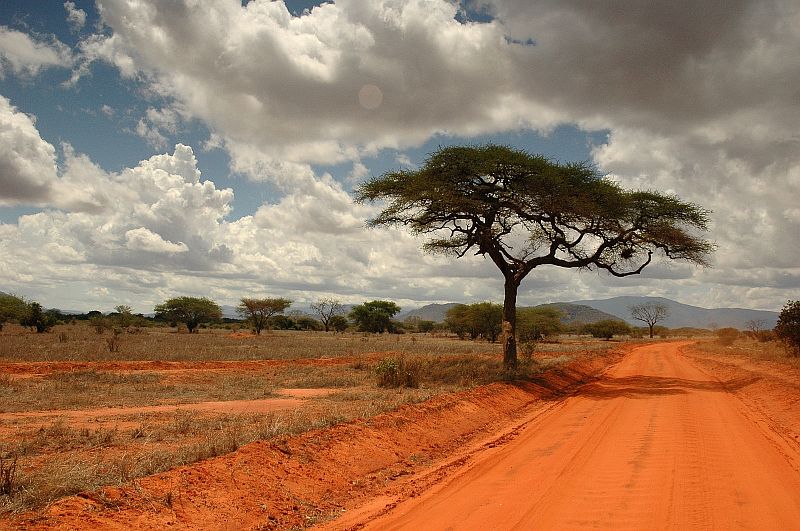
76 17
143 239
26 56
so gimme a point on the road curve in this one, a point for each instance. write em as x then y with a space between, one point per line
657 443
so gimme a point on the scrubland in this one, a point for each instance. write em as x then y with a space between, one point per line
76 414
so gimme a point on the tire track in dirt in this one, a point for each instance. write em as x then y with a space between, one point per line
656 443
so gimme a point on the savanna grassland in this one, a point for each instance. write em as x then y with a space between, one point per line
80 410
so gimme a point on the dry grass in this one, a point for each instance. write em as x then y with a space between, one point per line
751 348
164 344
85 460
58 459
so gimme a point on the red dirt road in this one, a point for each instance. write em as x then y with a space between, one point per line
657 443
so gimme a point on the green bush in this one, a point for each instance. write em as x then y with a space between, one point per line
788 327
607 329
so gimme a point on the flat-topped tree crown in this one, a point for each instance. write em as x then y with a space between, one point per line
524 211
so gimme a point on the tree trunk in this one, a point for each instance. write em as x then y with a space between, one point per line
510 324
651 330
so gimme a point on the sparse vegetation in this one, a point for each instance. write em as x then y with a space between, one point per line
327 309
375 316
607 329
12 309
258 312
62 455
191 311
649 313
788 327
37 319
481 319
726 336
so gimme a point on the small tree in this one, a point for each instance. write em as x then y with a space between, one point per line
424 326
374 316
124 315
37 319
487 319
524 211
258 311
534 324
12 308
457 320
649 313
327 309
480 319
338 323
758 330
189 310
788 327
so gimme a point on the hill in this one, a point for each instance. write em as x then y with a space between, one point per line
429 312
573 313
684 314
579 313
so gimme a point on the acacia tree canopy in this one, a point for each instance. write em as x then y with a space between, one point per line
258 311
189 310
374 316
525 211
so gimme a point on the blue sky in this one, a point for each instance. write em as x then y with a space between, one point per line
284 107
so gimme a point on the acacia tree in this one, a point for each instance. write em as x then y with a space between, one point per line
374 316
327 308
525 211
649 313
189 310
259 311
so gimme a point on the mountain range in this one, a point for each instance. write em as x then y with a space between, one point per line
681 315
572 313
589 311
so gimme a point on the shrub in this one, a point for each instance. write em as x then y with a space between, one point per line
726 336
607 328
338 323
481 319
788 327
8 473
397 372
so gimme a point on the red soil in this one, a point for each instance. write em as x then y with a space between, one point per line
657 441
296 481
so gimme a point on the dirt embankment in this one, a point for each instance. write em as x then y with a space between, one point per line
310 478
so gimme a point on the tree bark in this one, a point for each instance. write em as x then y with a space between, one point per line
510 324
651 329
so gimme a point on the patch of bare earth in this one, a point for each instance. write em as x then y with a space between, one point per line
296 481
